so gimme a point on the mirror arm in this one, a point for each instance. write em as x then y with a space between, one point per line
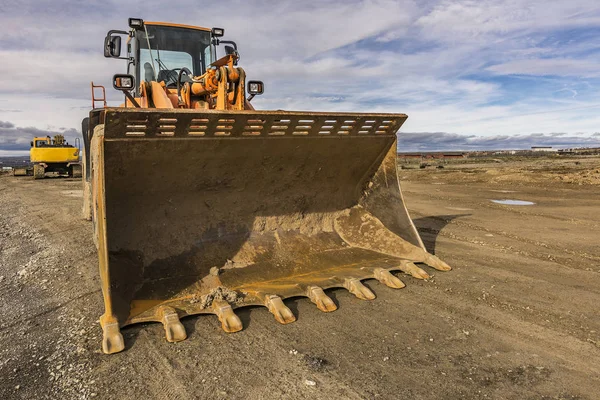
237 54
131 99
110 33
229 42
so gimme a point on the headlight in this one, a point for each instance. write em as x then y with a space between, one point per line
123 82
256 87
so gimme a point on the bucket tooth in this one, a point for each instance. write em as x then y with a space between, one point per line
411 269
356 287
436 263
322 301
282 314
112 340
174 329
387 278
230 322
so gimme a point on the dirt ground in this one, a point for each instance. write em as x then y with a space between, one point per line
517 318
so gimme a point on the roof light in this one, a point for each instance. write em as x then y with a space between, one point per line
218 32
136 23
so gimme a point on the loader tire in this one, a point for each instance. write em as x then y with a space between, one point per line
86 170
38 171
75 171
87 200
91 186
87 189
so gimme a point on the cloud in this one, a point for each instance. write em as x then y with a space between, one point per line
444 141
480 68
550 66
17 139
497 21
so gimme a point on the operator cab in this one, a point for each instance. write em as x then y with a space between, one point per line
162 51
183 58
40 142
56 141
158 51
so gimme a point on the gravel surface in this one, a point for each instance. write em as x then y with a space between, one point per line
517 318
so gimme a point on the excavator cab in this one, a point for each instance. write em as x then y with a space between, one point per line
40 142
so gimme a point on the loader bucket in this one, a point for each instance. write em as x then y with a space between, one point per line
203 212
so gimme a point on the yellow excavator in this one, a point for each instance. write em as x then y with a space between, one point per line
202 204
54 155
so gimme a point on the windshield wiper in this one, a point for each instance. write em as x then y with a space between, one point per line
150 50
161 65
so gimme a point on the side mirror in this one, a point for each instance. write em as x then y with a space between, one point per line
229 50
31 143
232 51
123 82
112 44
255 88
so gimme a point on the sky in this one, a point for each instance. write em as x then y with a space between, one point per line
469 74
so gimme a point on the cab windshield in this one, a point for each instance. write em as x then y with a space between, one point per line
166 49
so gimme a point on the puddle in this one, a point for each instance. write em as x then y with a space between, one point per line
459 208
503 191
514 202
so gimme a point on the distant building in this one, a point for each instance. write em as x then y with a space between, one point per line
543 148
591 151
434 154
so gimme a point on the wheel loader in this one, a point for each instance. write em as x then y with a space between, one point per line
202 204
54 155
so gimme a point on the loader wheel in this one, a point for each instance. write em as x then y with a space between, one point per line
38 171
87 200
75 171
